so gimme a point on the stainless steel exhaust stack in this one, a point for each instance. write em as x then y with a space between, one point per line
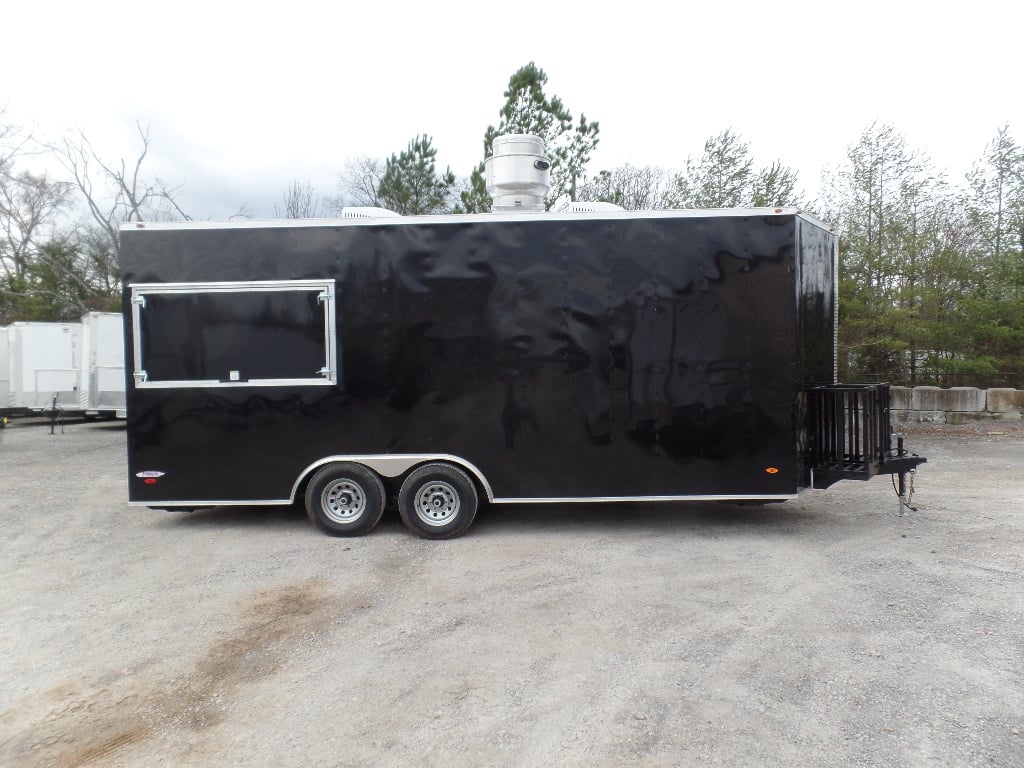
517 173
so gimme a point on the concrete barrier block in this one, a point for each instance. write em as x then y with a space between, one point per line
928 417
1002 400
926 399
963 399
952 399
900 398
955 417
901 416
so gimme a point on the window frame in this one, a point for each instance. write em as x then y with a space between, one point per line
328 375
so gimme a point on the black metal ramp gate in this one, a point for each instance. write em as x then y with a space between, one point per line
849 432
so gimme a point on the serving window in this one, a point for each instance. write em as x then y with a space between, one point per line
264 333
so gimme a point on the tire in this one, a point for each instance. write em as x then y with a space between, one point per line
438 501
345 499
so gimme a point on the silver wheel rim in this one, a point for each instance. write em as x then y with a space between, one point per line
343 501
436 503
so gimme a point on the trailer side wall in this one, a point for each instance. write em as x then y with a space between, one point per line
562 358
103 375
45 359
5 363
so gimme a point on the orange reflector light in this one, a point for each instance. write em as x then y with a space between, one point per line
772 470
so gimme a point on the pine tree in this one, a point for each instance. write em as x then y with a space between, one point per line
909 266
411 184
725 177
529 110
996 211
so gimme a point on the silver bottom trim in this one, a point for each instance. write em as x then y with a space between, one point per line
614 499
396 464
209 503
538 500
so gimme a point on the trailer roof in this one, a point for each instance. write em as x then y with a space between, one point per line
470 218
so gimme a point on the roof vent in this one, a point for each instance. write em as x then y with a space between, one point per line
594 207
368 212
517 173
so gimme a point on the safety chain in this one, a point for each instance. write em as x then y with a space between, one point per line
910 490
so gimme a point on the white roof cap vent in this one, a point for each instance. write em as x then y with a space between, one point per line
594 207
517 173
368 212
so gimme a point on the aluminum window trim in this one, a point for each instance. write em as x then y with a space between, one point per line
325 287
235 286
217 383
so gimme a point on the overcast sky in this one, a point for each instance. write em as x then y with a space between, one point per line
242 98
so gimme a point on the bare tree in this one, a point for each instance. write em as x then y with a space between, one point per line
117 192
50 270
359 181
300 202
29 205
245 211
12 141
634 188
99 260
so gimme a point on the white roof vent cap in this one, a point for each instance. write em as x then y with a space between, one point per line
594 207
368 212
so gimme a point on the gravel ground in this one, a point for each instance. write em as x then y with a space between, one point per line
823 631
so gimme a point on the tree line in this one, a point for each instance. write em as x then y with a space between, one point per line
931 269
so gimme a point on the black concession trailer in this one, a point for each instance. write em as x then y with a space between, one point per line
445 361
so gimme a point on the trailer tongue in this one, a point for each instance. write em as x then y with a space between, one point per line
850 438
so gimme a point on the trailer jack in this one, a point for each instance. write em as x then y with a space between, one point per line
905 488
54 413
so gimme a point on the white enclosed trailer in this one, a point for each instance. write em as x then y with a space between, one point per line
5 383
101 390
43 365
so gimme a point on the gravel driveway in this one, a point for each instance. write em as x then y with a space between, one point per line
823 631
